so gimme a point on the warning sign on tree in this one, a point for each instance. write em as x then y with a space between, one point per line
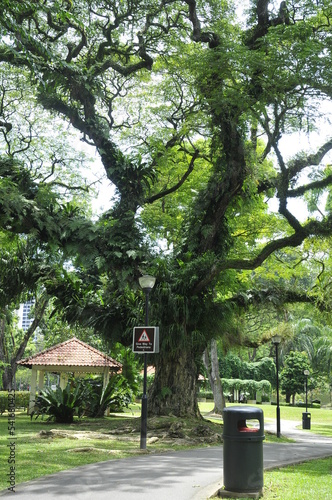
146 339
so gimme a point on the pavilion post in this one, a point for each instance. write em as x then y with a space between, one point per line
106 380
33 389
41 380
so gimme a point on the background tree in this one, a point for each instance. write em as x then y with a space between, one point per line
292 377
211 363
21 269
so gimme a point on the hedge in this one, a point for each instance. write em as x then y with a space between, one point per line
21 399
249 386
298 405
309 405
205 394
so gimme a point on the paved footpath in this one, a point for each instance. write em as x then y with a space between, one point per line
186 475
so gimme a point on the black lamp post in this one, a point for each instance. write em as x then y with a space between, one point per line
276 341
306 373
146 283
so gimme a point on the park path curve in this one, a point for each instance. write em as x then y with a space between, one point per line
185 475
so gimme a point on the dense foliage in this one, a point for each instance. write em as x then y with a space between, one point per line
231 366
115 396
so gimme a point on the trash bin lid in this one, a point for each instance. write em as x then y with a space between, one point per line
243 411
243 419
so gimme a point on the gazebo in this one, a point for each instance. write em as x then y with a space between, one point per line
72 356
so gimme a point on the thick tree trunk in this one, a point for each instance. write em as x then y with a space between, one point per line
210 359
174 391
7 379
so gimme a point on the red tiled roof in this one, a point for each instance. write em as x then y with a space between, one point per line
72 352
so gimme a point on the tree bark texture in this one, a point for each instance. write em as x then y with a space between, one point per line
174 391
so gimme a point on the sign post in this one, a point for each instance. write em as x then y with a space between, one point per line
145 342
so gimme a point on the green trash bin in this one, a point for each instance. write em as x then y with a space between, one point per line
306 420
243 437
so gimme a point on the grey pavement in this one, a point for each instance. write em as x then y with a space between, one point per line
185 475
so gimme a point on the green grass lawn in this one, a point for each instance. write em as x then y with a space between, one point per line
307 481
41 450
321 419
38 454
310 480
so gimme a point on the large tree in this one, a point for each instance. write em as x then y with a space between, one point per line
170 92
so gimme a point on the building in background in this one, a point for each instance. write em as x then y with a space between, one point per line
25 319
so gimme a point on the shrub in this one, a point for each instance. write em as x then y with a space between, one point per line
116 396
83 397
205 394
248 387
300 404
265 387
3 401
21 400
61 405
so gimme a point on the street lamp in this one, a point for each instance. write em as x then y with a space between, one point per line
306 373
146 283
276 341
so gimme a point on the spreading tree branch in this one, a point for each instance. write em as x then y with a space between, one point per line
198 35
174 188
312 228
